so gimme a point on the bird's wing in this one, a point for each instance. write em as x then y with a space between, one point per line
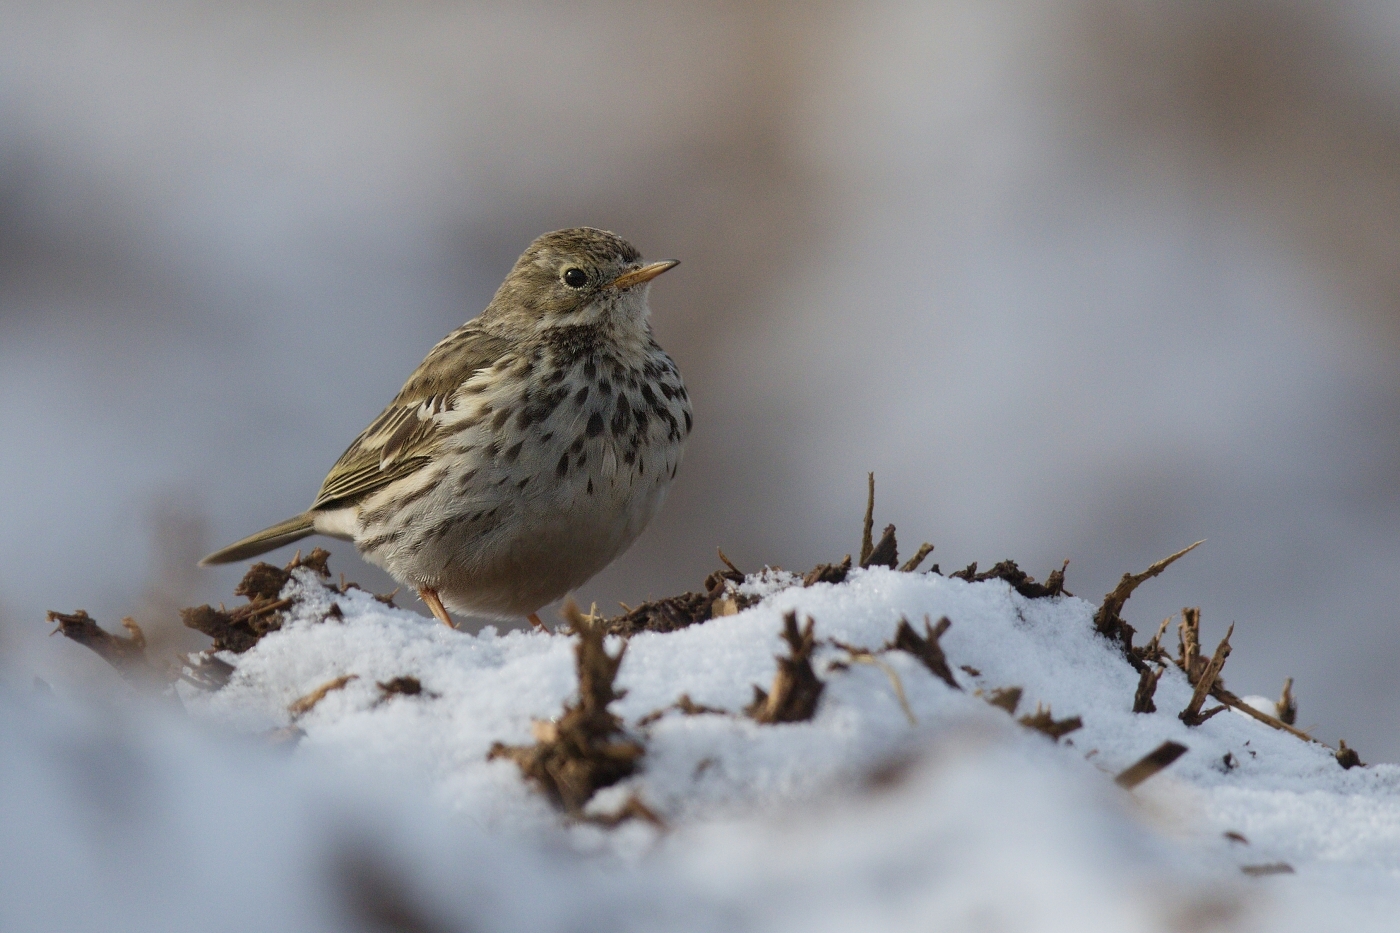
405 435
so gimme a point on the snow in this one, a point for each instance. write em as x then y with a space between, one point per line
123 817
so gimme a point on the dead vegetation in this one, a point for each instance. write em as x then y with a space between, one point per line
240 628
796 688
1152 763
586 748
1042 720
300 707
925 648
1108 621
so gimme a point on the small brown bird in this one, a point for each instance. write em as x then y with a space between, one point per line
526 452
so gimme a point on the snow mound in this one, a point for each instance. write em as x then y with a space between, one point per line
904 803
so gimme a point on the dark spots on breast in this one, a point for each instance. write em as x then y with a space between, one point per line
494 449
465 480
620 417
630 457
562 469
581 395
680 390
667 391
577 445
557 374
521 484
501 417
641 417
546 437
514 451
595 424
641 467
673 471
689 422
590 369
526 417
604 387
590 486
649 396
582 459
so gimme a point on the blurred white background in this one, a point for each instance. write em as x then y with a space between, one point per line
1081 280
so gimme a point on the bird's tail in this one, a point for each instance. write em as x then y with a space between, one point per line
293 529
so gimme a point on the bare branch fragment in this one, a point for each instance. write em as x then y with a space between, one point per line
926 649
1273 868
1043 721
866 543
796 688
300 707
1107 620
1288 704
586 748
1146 688
828 573
1152 652
1152 763
912 564
684 705
127 655
1235 703
886 551
1192 715
1189 633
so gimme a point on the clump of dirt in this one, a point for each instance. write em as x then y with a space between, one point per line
1020 581
586 748
127 655
926 649
1043 721
241 628
796 687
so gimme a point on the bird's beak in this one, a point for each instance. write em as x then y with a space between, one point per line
645 274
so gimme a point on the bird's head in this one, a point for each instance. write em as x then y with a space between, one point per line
579 276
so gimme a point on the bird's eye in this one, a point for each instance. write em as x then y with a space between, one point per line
575 278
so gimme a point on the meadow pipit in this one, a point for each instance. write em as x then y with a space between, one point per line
526 452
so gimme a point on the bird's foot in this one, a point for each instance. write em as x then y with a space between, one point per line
430 596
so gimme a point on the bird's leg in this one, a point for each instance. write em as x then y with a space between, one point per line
430 596
534 618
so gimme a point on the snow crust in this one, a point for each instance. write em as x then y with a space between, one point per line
960 819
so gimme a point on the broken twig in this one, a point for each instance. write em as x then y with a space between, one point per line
1153 762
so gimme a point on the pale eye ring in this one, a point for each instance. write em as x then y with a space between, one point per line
575 277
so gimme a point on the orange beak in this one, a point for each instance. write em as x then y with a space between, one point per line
645 274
